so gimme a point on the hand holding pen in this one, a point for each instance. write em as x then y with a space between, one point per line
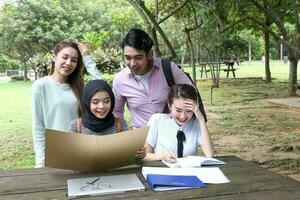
168 156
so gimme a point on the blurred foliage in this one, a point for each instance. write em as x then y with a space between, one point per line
29 29
6 64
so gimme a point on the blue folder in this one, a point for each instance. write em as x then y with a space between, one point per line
159 182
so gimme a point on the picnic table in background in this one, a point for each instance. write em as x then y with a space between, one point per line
230 67
248 181
205 67
219 66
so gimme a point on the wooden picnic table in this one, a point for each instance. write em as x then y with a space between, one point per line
248 181
230 67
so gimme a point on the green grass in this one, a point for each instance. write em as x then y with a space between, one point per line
16 147
255 69
285 164
240 91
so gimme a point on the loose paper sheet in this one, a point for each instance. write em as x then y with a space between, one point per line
211 175
90 152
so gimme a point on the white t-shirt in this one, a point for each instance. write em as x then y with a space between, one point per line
163 131
144 80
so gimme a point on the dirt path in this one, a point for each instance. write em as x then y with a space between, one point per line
270 148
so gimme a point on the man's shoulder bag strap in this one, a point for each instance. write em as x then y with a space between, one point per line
166 66
79 125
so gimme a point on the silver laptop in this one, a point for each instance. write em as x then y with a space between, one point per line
103 185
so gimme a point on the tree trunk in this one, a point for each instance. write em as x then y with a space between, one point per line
267 57
155 24
249 52
293 73
183 52
156 50
25 72
192 54
35 73
294 54
197 57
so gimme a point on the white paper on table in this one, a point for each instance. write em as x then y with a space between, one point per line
212 175
194 161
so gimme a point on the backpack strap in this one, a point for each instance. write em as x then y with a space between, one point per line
118 125
79 125
166 66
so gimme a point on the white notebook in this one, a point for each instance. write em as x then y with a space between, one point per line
194 161
102 185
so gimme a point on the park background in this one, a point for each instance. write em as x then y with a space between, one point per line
262 35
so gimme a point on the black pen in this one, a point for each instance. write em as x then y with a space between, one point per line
94 181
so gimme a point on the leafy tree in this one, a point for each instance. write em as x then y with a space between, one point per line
280 12
30 28
153 20
6 64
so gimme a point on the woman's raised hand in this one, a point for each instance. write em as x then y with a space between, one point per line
193 106
83 49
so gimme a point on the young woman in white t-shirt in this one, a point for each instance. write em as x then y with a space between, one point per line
180 132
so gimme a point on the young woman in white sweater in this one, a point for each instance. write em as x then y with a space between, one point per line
56 98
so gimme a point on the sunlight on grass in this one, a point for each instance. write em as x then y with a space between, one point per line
279 70
15 119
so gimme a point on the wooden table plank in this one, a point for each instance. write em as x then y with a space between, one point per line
263 195
248 180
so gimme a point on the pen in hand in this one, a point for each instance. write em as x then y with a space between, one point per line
168 155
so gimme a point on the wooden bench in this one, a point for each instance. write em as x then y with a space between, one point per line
208 70
229 64
205 67
225 70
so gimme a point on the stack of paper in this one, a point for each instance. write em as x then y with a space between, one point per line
194 161
212 175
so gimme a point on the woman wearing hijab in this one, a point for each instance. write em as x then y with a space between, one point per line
98 105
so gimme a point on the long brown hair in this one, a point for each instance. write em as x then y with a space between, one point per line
75 79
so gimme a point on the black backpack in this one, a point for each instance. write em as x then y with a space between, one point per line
166 65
